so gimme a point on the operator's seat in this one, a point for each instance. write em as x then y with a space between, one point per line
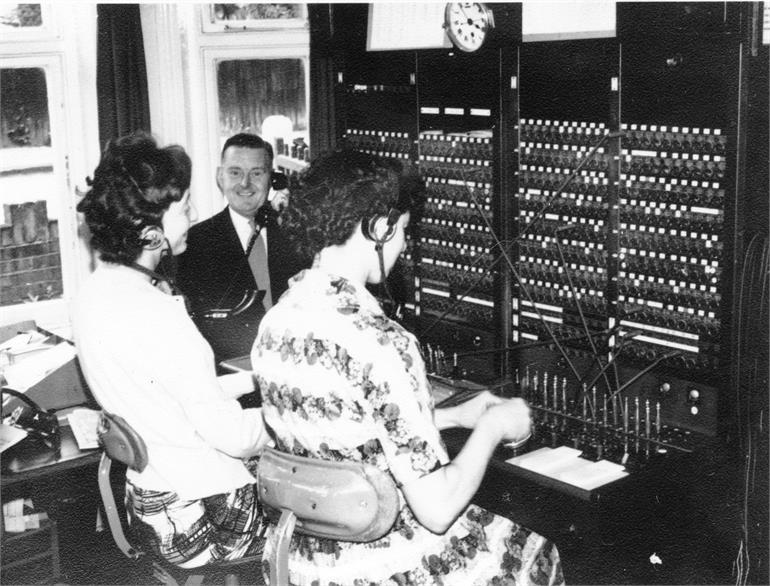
345 501
122 444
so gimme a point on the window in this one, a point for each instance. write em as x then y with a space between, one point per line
26 21
30 255
44 155
244 69
256 16
267 97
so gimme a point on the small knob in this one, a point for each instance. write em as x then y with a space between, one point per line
693 400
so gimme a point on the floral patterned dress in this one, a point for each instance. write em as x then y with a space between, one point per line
341 381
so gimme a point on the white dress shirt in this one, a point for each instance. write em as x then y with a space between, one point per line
244 230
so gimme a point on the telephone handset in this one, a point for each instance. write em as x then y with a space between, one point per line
278 181
41 426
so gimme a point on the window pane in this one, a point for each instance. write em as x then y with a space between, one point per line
250 91
256 11
30 263
20 15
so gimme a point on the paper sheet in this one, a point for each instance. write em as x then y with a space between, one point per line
84 424
565 464
26 373
10 435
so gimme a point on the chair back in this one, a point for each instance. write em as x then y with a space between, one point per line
345 501
122 444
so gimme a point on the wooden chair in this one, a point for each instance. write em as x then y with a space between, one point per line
345 501
122 444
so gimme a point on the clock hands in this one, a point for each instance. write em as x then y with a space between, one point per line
469 20
467 24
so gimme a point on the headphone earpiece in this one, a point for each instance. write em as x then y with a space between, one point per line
369 226
152 237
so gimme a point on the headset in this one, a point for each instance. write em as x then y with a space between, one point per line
152 237
368 227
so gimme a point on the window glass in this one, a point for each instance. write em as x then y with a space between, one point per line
256 16
16 16
253 91
256 11
30 259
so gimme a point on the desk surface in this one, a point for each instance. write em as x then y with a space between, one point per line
21 463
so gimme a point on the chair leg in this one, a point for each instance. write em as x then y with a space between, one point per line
279 569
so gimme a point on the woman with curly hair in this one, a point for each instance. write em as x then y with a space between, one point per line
341 381
144 360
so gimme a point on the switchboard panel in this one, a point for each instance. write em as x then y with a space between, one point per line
593 246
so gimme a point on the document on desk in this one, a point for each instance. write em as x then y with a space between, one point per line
10 435
24 374
85 425
565 464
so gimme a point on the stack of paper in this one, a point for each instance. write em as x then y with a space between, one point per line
565 464
19 515
21 375
84 424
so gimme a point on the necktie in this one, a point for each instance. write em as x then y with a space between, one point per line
258 263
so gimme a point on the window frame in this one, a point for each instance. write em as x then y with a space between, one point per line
67 53
196 126
209 24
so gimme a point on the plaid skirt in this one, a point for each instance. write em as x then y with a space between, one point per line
193 533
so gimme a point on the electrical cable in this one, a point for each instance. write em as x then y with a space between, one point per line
594 352
499 244
515 273
589 155
645 370
262 217
471 287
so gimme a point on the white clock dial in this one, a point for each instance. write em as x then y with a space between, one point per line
467 24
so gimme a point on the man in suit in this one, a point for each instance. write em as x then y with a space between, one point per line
237 261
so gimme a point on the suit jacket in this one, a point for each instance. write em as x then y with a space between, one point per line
214 272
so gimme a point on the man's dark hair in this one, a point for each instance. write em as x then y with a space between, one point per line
249 141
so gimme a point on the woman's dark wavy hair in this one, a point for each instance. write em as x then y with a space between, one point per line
132 187
339 190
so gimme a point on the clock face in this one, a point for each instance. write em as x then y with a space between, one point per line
467 24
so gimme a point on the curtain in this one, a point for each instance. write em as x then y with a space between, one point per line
323 133
121 76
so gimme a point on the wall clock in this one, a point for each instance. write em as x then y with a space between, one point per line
467 24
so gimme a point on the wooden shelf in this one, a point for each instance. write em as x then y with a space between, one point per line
21 566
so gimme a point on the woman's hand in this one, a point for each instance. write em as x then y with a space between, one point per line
279 199
437 499
467 414
511 418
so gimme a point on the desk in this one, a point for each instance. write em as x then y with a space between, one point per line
39 474
21 464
